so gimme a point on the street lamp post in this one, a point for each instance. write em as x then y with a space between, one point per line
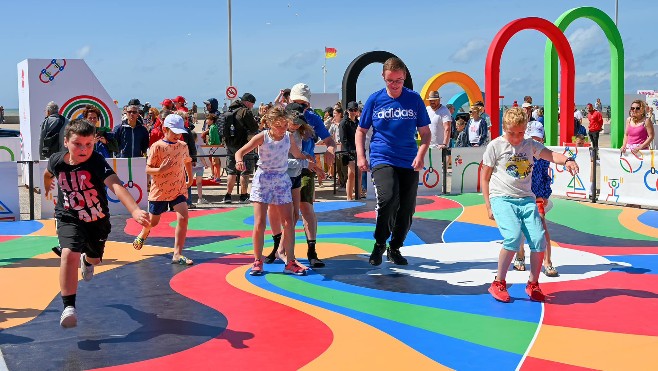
230 48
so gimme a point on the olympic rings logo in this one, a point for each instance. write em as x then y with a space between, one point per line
628 167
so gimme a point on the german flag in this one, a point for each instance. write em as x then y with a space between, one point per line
329 52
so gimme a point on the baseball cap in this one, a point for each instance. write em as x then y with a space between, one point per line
248 97
300 91
134 102
175 123
352 105
179 99
534 129
526 105
167 102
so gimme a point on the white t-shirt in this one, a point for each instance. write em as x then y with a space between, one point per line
577 114
512 167
437 119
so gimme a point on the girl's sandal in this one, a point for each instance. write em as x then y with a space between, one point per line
519 264
138 243
550 271
182 261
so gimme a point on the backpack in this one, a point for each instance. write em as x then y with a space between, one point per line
213 135
233 132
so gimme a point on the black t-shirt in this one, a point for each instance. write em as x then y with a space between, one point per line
81 187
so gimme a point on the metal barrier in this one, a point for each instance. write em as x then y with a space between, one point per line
30 183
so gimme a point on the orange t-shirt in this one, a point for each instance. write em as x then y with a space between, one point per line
171 183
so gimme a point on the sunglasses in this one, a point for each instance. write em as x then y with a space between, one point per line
133 112
635 108
352 109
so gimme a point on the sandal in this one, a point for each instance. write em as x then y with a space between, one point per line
182 261
138 243
519 264
549 270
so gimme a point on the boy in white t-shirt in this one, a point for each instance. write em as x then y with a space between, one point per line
506 186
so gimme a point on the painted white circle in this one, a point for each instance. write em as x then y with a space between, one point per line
475 263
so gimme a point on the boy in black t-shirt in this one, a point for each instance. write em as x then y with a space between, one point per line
83 218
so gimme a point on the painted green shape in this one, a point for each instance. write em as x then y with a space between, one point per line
466 199
26 247
446 214
227 221
474 328
616 75
231 246
576 216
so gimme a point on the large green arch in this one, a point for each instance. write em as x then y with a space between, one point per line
616 74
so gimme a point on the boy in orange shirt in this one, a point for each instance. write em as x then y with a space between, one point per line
168 164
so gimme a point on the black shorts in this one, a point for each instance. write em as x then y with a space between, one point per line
159 207
84 237
308 186
249 162
296 181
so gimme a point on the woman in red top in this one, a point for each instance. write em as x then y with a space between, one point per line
639 128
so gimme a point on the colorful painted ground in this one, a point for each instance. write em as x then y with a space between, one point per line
141 312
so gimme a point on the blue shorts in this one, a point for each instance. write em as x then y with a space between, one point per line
517 217
159 207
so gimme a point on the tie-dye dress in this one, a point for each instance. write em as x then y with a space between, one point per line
271 183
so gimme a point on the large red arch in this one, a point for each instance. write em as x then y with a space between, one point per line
567 72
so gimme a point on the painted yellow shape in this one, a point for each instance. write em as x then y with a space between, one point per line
596 349
34 285
476 215
469 85
48 228
629 220
355 346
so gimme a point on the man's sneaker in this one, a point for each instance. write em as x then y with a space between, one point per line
244 198
293 268
57 250
393 255
498 290
227 199
376 256
87 270
202 201
314 261
534 292
68 318
256 268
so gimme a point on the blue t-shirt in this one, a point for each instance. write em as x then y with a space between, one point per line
394 124
308 145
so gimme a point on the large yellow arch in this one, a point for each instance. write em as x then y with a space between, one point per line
463 80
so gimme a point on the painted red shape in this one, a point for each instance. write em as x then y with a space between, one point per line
438 203
532 364
8 238
567 71
261 333
614 302
164 228
613 250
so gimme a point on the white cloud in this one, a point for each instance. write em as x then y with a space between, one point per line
593 77
585 40
472 48
83 52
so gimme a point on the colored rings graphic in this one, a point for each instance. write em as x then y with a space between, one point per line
130 185
74 107
53 69
428 173
627 166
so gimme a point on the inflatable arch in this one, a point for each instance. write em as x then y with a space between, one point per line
616 74
567 73
358 64
460 99
463 80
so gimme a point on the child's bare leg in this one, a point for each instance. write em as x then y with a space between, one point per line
181 228
257 237
68 272
199 186
155 219
504 260
547 256
536 259
288 236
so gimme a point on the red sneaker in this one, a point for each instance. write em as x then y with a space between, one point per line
257 268
498 290
534 292
293 268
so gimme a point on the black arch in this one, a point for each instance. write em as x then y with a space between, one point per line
358 64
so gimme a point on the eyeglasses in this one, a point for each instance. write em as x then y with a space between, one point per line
133 112
352 109
635 108
394 82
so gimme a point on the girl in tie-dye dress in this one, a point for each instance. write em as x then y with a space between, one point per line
271 185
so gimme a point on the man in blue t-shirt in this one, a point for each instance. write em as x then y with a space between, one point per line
395 113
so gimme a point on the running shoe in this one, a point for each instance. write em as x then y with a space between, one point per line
256 268
498 290
69 318
293 268
87 270
534 292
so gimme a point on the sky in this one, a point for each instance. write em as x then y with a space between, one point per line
154 50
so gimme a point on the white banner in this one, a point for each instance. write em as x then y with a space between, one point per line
131 171
10 210
629 178
10 149
466 167
567 185
430 179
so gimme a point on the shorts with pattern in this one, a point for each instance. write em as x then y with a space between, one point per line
271 188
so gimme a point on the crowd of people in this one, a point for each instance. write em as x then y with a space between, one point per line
387 136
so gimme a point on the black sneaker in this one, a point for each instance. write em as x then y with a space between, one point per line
376 256
270 258
393 255
314 261
57 250
227 199
244 198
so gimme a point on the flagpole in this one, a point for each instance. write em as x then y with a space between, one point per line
324 72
